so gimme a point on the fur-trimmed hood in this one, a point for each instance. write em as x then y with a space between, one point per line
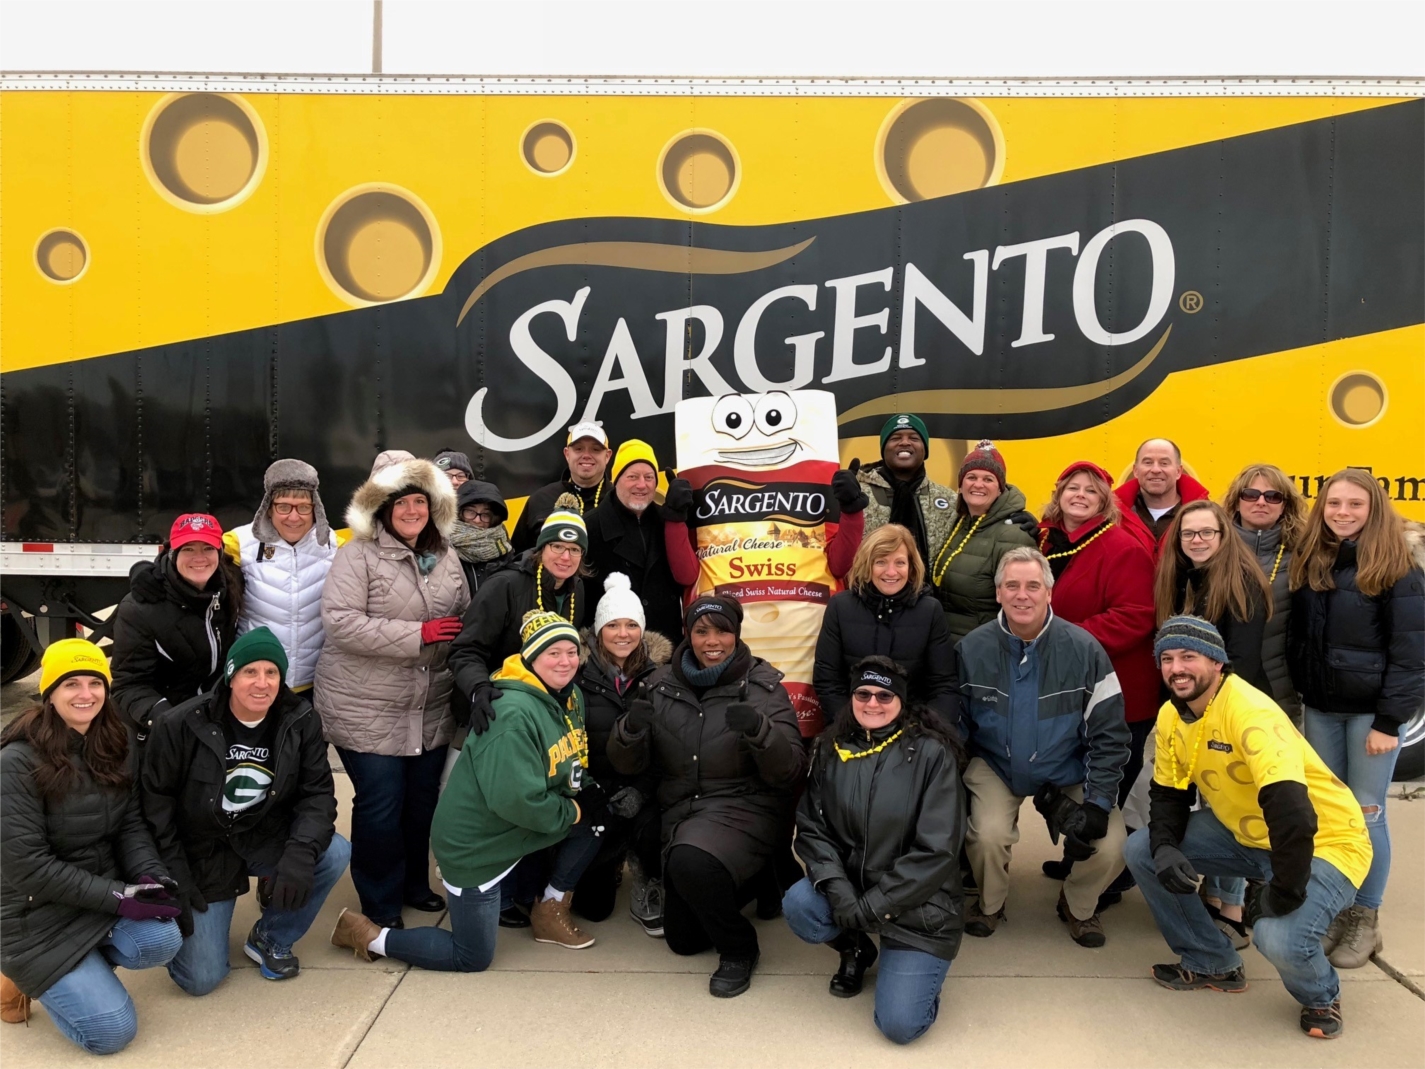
395 470
1415 539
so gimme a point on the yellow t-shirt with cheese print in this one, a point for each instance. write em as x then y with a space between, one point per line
1240 744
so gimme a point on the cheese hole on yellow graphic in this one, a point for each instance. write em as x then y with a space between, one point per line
203 151
378 243
1358 399
933 148
548 148
698 171
61 255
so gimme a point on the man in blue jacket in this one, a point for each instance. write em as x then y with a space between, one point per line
1044 718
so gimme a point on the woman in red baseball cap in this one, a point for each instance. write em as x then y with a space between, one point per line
1103 581
173 629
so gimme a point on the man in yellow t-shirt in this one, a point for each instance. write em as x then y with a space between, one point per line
1272 811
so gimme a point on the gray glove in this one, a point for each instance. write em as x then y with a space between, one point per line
627 802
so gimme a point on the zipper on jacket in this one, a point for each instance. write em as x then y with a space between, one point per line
212 635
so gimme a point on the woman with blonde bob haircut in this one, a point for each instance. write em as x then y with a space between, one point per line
1269 515
1356 646
887 610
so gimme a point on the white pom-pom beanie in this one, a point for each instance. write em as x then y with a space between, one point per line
618 603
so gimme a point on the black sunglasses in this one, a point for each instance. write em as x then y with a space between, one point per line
1271 497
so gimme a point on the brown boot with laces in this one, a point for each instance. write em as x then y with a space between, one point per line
354 931
552 924
14 1003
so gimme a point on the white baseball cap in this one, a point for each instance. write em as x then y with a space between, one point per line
592 430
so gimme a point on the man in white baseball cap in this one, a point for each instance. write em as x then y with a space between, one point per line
587 455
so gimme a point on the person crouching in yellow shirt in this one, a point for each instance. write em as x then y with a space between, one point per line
1276 814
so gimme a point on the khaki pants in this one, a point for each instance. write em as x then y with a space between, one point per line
993 829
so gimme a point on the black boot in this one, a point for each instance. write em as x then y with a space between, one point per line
858 953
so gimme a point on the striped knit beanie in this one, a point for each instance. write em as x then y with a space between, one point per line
540 630
565 524
1190 633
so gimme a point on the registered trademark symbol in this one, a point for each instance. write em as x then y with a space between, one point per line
1190 302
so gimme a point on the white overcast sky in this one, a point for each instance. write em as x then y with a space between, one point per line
894 38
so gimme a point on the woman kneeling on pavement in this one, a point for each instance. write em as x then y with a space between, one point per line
720 737
511 793
622 655
880 828
83 889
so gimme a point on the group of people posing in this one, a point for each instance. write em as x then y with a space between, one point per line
1201 699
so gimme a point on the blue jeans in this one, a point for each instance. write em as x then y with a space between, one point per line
908 983
469 946
1230 891
390 827
1340 741
203 962
89 1005
1291 943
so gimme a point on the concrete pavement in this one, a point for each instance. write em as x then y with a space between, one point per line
1027 995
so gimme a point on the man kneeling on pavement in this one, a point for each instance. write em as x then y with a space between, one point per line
237 783
1277 814
1043 712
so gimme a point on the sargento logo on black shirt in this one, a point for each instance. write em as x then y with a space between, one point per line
733 500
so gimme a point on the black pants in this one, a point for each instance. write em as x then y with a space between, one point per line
702 906
598 888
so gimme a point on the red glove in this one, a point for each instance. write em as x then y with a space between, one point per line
441 629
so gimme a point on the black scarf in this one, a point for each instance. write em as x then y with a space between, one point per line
905 505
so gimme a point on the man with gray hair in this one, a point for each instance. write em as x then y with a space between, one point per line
1043 715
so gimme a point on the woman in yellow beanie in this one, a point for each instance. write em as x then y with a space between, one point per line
82 888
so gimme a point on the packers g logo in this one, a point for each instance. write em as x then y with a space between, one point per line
568 535
246 786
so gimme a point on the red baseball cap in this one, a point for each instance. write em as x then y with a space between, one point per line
1085 465
196 527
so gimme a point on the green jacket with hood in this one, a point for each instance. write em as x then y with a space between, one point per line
965 578
512 788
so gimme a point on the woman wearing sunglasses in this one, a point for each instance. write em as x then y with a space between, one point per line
880 829
1269 514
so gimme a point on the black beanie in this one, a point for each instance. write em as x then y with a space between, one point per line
729 608
880 672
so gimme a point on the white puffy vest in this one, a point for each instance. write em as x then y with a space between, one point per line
282 591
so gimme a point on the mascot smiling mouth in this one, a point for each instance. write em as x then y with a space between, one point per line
762 456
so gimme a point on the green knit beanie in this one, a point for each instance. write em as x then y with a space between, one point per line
905 421
259 644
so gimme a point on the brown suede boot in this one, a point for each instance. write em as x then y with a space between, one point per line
354 931
14 1003
552 924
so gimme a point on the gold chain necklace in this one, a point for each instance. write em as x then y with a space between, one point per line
941 569
1276 564
539 592
848 755
1044 541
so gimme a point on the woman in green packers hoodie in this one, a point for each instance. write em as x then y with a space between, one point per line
511 793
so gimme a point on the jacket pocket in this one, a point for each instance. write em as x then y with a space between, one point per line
1355 675
932 919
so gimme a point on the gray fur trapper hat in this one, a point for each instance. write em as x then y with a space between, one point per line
289 475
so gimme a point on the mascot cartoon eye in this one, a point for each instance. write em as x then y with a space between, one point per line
776 413
733 415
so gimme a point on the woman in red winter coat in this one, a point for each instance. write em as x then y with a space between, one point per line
1103 581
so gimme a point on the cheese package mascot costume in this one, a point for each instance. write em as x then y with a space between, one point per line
761 512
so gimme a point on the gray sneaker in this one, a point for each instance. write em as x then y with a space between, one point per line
645 905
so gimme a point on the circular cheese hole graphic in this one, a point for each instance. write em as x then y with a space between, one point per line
698 171
61 256
936 147
1358 399
378 243
547 148
204 152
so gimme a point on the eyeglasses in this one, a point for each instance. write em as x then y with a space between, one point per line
1271 497
477 515
873 697
563 551
1208 534
284 509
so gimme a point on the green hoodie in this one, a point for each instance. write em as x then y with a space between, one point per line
510 792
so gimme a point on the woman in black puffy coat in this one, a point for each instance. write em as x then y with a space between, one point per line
81 886
888 611
1356 648
880 829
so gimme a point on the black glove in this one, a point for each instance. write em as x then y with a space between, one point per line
1175 871
639 717
678 500
1058 810
593 807
857 917
1267 900
1084 828
627 802
482 708
296 875
845 903
191 901
743 718
848 491
1026 522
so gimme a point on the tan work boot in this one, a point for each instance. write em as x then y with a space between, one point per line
354 931
552 924
1087 933
1359 941
1332 939
979 923
14 1003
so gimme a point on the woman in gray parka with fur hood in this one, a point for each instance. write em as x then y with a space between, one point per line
391 605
